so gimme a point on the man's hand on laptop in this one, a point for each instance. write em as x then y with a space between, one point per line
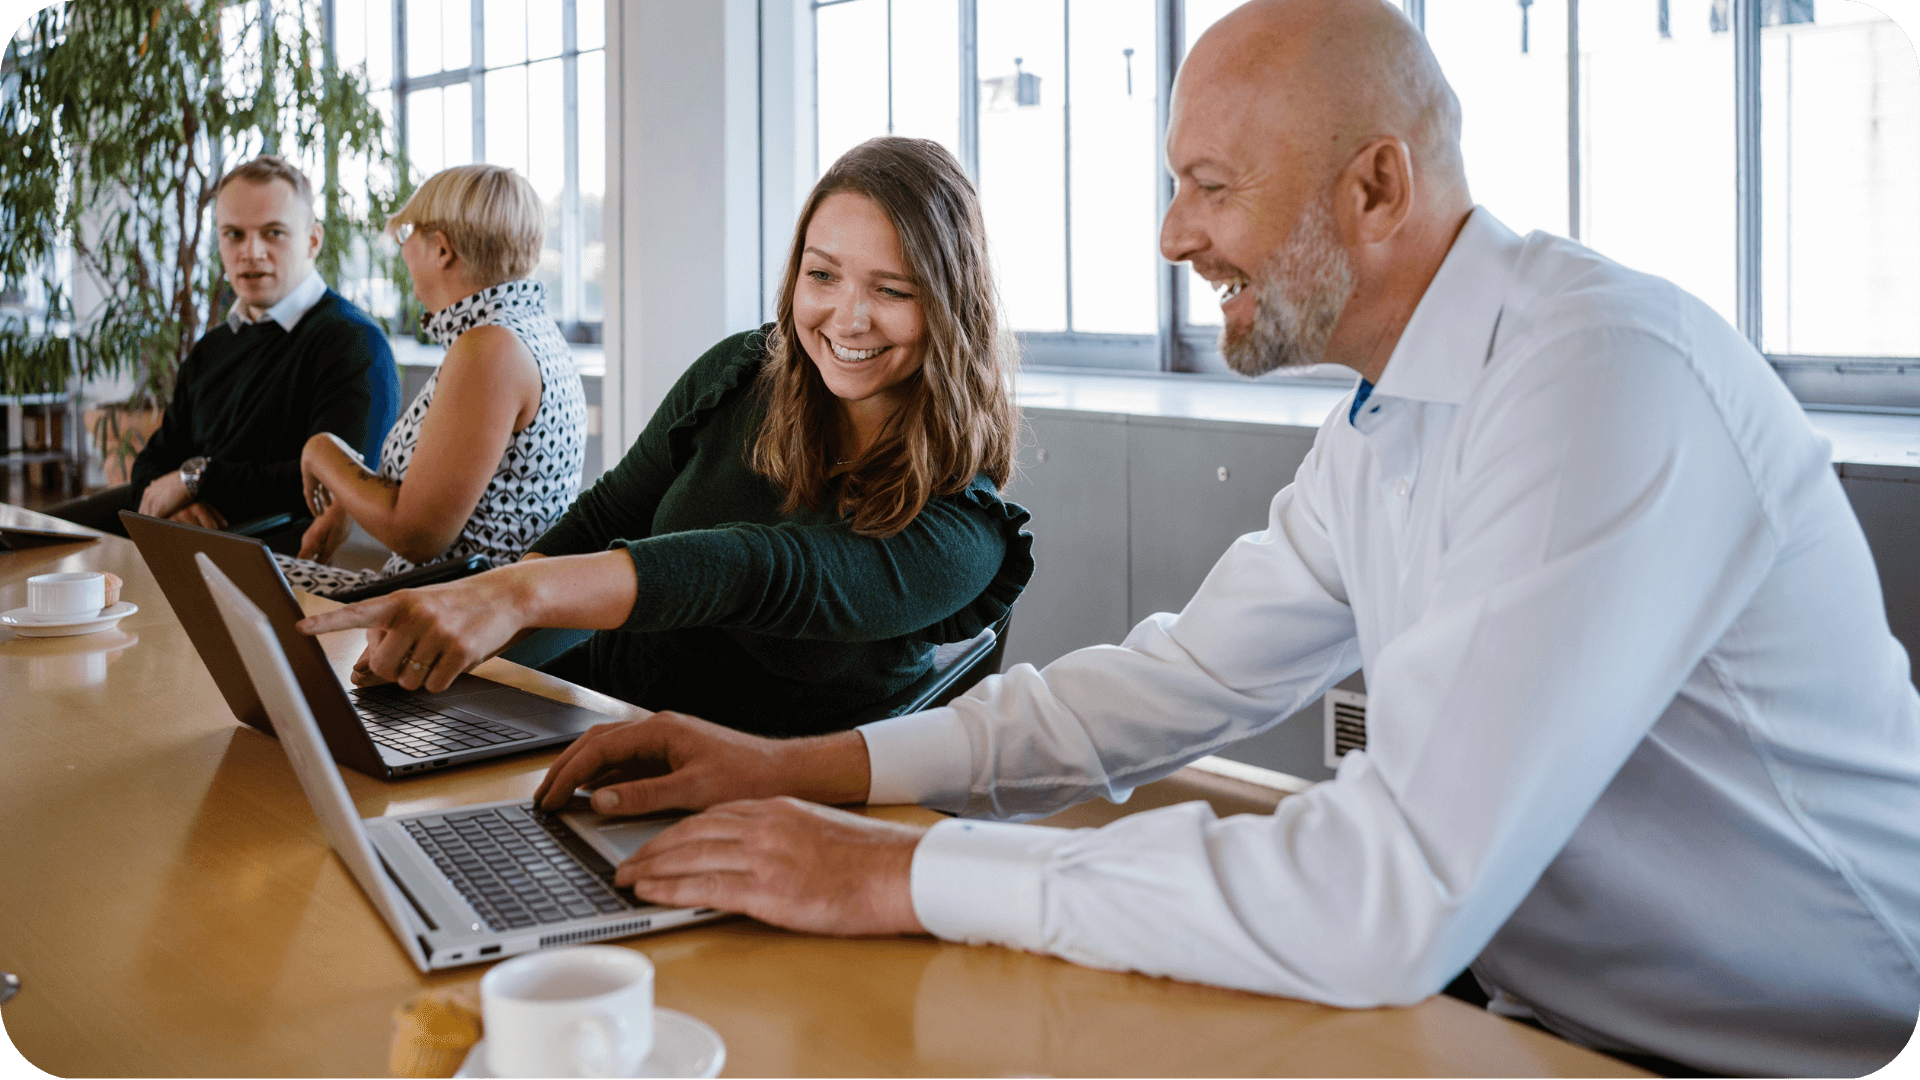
758 851
671 761
786 862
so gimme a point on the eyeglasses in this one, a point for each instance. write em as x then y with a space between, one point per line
403 231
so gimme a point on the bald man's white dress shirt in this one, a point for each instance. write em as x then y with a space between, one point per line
1641 747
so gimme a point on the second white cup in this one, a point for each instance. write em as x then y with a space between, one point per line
55 595
586 1010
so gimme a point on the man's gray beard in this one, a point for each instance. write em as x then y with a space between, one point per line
1300 295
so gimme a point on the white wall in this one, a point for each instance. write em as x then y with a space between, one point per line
683 179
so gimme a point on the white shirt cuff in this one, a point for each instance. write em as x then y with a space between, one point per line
980 881
923 758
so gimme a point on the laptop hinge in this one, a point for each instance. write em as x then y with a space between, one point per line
408 893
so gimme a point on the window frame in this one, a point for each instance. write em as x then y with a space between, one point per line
572 229
1878 384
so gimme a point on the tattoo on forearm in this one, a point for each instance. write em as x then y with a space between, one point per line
383 481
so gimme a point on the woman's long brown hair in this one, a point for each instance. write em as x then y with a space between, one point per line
957 419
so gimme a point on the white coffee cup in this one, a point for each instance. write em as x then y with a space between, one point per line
585 1010
54 595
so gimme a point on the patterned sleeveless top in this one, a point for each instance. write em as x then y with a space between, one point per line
538 476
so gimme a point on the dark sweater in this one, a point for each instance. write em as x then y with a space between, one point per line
769 623
249 400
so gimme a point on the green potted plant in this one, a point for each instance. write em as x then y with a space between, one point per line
117 118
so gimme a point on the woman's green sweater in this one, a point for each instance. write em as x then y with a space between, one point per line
772 623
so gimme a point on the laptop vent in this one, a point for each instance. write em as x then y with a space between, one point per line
632 926
1346 724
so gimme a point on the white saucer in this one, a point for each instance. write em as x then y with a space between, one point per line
682 1046
25 623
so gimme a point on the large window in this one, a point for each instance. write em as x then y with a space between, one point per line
520 83
1762 154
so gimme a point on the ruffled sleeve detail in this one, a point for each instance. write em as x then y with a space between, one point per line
1016 568
722 374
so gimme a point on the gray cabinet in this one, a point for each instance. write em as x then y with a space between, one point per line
1073 477
1194 487
1129 515
1889 513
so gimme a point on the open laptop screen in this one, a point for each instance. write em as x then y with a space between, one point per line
266 666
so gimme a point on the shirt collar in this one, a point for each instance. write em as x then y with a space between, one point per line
292 307
1440 353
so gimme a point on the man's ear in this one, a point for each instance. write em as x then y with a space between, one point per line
315 237
1374 192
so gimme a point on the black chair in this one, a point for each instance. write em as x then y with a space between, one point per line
281 532
430 574
543 645
956 669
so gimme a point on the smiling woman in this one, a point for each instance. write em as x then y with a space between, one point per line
812 509
888 341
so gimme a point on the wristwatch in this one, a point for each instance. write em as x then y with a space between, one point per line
190 473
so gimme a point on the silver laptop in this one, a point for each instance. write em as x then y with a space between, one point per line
463 885
382 731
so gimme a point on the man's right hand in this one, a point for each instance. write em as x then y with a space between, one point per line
671 761
165 496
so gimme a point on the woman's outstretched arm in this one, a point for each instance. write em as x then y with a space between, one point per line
489 388
429 636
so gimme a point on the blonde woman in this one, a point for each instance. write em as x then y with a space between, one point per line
813 508
488 456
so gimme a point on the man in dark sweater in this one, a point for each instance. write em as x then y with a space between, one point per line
293 358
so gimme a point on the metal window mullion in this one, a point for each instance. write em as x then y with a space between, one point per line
970 88
270 144
1573 119
1066 149
441 79
477 79
570 230
889 67
1746 122
1417 14
1168 31
400 127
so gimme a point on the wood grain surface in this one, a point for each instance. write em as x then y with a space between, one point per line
172 908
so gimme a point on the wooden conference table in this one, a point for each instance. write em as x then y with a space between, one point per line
172 908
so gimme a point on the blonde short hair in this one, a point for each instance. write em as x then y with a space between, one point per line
490 214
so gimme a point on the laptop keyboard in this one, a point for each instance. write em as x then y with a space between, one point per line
517 867
411 726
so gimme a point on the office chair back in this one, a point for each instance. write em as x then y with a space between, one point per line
956 669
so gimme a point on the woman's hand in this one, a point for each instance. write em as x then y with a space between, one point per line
318 450
324 537
428 637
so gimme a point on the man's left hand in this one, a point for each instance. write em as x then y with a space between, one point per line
795 864
199 513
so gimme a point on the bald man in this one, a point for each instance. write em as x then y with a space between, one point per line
1642 750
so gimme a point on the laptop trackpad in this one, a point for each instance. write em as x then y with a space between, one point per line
503 702
617 838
